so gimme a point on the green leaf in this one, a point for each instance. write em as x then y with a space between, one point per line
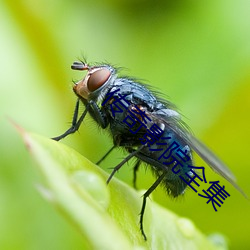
107 215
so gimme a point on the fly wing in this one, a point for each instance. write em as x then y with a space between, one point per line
178 127
213 161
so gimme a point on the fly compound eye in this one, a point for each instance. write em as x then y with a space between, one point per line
97 79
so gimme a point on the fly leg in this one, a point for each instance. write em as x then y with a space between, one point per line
91 107
105 155
98 115
75 124
123 162
135 169
145 196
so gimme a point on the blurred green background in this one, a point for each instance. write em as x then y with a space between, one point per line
196 52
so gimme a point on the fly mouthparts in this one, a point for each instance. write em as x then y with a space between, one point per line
79 66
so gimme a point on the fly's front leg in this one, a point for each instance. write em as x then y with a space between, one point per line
97 114
75 123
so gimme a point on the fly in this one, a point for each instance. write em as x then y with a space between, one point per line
145 125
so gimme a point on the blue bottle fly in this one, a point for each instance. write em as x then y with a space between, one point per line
148 127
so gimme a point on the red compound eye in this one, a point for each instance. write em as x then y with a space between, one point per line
97 79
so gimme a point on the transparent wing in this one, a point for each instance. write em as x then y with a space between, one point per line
206 154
